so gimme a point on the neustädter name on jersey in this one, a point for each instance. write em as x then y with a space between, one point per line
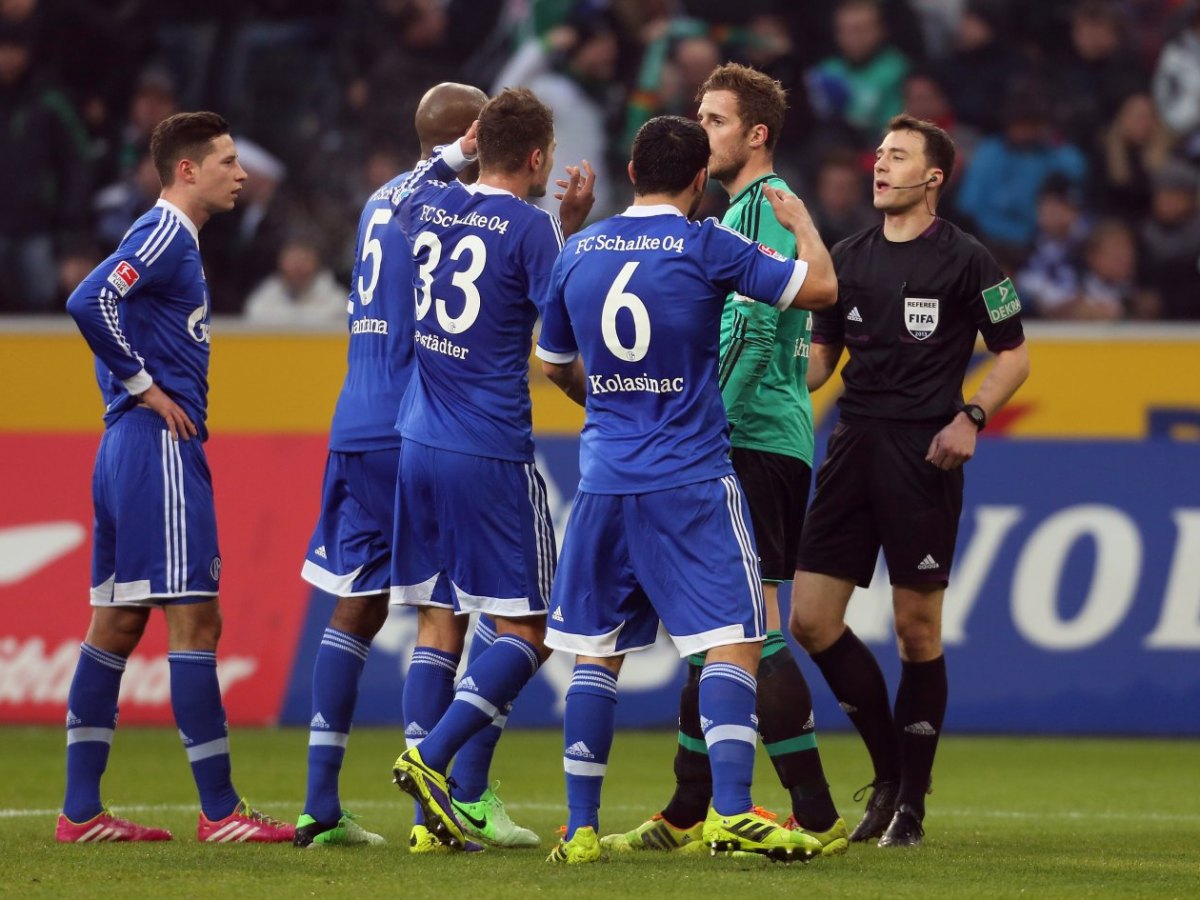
481 260
639 296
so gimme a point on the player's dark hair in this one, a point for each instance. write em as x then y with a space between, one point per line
667 153
512 125
939 146
186 135
761 100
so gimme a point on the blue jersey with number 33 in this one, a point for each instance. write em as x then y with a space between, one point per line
640 297
481 259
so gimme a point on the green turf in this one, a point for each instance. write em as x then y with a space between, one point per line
1010 817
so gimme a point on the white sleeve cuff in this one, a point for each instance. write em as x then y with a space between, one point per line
799 273
454 157
139 383
558 359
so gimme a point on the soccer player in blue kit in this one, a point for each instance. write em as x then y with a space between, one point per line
473 530
144 312
660 528
349 555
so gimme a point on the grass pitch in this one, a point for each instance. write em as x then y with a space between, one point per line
1010 817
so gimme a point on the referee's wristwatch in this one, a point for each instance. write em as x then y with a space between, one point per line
975 413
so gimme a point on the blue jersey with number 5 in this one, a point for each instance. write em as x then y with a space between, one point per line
379 356
481 260
639 296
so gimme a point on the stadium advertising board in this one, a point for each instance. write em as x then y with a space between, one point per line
1075 605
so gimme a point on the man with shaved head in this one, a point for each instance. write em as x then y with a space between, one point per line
350 552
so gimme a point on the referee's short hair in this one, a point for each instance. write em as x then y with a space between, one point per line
939 146
761 100
186 135
512 125
667 153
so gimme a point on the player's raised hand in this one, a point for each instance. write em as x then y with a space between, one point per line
177 420
953 445
788 208
577 196
469 142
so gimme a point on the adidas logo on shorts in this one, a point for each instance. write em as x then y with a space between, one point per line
854 315
580 749
318 721
320 551
558 616
927 563
922 728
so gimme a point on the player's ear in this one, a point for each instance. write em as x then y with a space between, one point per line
535 160
758 136
632 176
700 182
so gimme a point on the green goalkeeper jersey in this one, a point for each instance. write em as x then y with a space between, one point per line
764 353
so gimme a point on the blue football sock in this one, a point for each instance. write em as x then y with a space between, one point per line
428 690
473 763
91 718
588 726
196 702
727 716
490 683
336 672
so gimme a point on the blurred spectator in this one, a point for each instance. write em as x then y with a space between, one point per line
982 64
680 53
572 72
43 175
840 205
1171 241
152 101
861 84
1177 77
1108 290
1000 188
1097 73
119 205
925 97
1133 148
302 290
1050 280
77 257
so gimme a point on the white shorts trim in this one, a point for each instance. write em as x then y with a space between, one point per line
598 645
416 594
332 583
688 644
136 593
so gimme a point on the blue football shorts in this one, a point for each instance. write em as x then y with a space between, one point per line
350 554
155 534
684 555
472 534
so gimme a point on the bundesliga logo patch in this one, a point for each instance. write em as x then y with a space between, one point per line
768 251
123 277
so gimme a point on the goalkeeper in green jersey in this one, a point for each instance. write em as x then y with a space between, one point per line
764 359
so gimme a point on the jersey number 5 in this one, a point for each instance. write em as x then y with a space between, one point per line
373 253
616 300
464 280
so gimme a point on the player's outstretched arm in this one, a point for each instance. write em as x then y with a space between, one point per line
955 444
577 197
569 378
820 285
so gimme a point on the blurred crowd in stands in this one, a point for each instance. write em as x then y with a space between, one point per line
1077 123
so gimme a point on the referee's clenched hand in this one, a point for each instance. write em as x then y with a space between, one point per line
954 444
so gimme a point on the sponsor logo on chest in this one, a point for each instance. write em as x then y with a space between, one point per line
920 316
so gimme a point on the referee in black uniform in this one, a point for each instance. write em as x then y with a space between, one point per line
912 294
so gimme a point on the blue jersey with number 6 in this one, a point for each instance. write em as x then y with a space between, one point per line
379 356
481 259
640 295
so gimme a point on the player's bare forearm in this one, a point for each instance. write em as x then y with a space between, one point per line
1008 373
569 378
819 290
822 363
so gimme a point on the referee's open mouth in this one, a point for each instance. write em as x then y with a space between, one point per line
881 186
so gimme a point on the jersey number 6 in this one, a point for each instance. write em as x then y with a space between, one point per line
616 300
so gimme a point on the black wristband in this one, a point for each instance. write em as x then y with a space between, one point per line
975 413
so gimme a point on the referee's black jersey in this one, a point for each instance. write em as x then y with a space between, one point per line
908 313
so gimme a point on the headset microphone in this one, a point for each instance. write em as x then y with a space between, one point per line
932 179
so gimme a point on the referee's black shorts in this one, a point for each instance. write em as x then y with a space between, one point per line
776 489
876 489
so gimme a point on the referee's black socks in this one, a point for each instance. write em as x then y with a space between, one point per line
857 682
920 711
